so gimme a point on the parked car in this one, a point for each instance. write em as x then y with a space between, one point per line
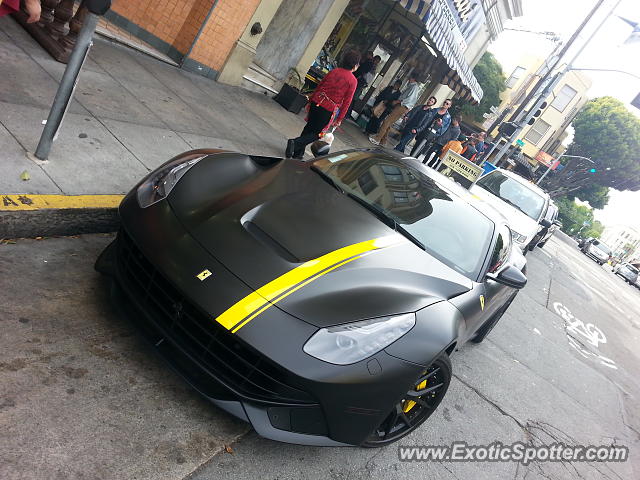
521 202
320 301
596 250
627 271
545 233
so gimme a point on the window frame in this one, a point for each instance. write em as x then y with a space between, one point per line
556 100
508 82
532 129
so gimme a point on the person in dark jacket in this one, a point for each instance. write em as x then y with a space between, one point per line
386 96
328 104
414 123
451 133
437 123
469 149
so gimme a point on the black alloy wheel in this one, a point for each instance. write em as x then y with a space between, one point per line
416 405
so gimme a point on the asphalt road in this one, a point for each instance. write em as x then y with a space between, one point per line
82 397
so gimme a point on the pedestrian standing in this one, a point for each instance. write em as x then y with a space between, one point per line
405 102
451 133
439 121
328 104
481 146
469 149
427 106
454 145
417 120
384 100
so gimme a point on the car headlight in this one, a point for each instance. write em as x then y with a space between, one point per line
518 237
160 183
356 341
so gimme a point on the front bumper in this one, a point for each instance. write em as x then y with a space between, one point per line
259 374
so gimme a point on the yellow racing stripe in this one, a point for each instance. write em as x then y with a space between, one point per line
257 302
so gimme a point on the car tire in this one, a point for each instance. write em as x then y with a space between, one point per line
417 413
487 326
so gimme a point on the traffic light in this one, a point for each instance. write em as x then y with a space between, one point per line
592 170
507 128
537 114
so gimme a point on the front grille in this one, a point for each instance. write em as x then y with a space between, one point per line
212 348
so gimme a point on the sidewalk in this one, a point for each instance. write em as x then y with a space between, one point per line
130 113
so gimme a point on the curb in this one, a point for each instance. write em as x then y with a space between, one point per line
26 215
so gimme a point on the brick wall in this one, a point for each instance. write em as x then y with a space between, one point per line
224 28
173 21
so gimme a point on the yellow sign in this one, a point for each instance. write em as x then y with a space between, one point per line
461 166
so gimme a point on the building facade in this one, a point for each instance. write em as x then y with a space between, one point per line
543 139
623 240
259 43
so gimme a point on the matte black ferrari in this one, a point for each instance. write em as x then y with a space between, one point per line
319 301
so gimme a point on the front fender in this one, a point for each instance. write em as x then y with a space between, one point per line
438 326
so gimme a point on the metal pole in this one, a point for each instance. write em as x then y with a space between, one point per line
67 84
565 48
554 82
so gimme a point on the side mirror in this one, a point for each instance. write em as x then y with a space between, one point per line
545 223
510 276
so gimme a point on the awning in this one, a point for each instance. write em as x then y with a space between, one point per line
436 17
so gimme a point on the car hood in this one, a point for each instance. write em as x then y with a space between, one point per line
518 221
305 246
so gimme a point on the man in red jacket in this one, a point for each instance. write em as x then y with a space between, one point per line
328 104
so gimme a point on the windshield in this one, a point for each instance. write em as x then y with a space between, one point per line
602 247
442 224
513 192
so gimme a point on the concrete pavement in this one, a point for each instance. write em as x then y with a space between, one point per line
130 113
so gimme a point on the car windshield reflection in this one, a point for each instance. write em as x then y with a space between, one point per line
446 226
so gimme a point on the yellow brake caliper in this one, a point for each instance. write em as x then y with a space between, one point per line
410 404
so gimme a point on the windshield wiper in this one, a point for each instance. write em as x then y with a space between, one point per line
326 178
514 205
386 219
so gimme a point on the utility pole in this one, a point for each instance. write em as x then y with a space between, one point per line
543 87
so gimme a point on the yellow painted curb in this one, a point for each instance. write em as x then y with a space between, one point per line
24 202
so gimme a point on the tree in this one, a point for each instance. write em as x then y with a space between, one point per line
609 134
596 195
490 76
578 219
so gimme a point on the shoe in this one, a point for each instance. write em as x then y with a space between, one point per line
290 148
373 140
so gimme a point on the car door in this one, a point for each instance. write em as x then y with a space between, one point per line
497 294
487 296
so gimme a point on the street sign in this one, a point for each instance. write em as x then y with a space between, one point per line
459 169
520 143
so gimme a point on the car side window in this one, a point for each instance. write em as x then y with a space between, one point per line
501 249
